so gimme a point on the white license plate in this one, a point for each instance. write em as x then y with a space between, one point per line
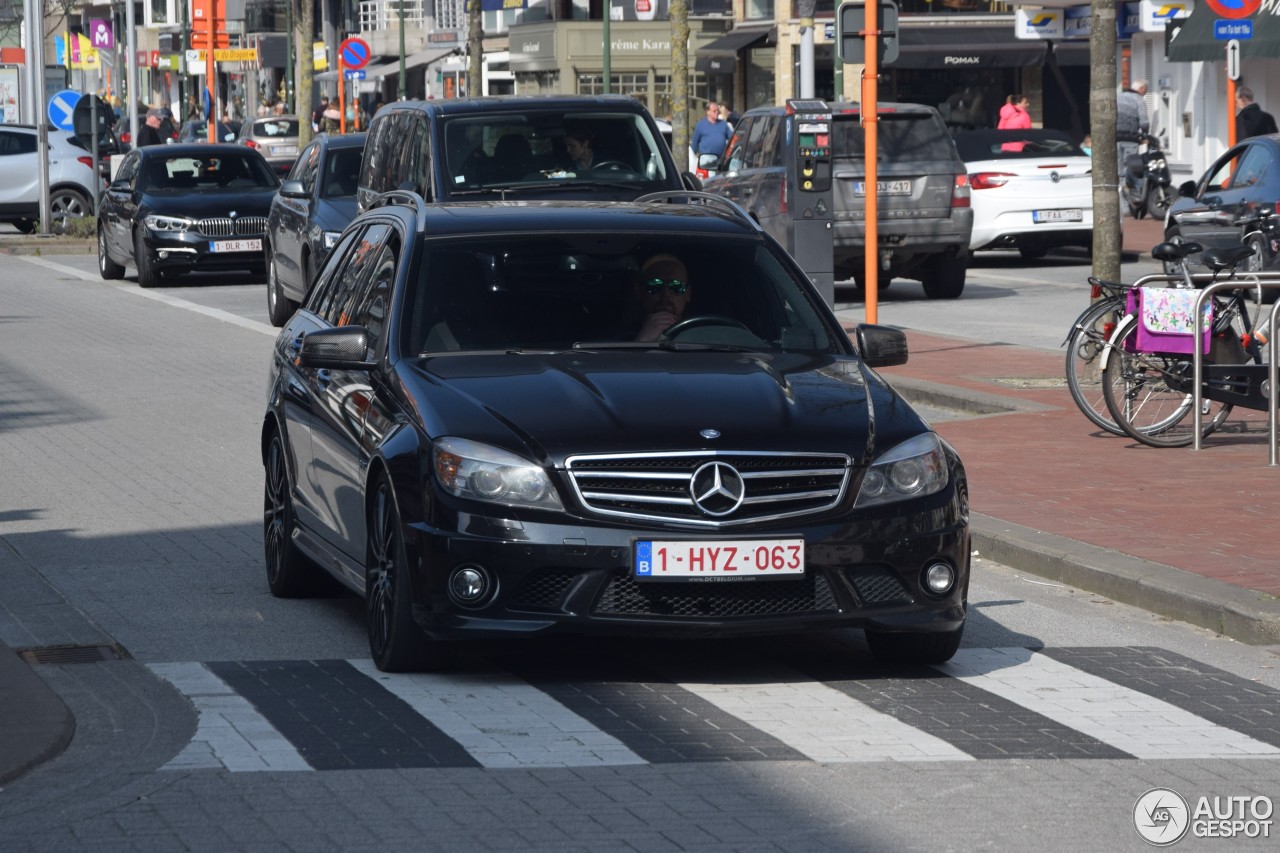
236 246
718 560
884 188
1073 214
284 149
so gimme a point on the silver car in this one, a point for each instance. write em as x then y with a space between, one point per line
71 177
275 138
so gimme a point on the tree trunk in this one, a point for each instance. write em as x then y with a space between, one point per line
475 50
679 13
304 33
1107 235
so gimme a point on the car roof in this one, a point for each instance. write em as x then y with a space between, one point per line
452 219
335 141
519 103
845 108
187 149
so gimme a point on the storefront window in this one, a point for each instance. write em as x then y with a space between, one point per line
698 95
759 9
635 85
760 77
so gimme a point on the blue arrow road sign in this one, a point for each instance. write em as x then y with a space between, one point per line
62 109
354 73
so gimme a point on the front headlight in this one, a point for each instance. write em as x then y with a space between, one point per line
168 223
915 468
469 469
331 239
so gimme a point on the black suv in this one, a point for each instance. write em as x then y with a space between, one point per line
478 149
475 423
923 192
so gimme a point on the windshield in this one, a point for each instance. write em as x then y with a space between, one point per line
341 173
270 128
900 137
557 292
541 148
1015 144
222 171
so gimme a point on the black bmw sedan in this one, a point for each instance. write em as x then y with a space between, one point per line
504 419
175 208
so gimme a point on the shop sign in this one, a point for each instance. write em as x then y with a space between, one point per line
1032 23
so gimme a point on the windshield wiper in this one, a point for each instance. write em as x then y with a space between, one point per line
673 346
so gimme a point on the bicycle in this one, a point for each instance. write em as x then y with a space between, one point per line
1091 330
1148 392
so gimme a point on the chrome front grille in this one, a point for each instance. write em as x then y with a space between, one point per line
661 486
222 226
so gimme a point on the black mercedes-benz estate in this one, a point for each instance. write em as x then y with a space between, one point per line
507 418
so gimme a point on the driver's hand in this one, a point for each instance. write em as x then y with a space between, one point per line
655 324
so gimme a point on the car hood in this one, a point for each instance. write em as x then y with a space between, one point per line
196 205
549 406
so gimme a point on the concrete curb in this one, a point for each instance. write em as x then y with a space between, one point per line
51 245
1241 614
966 400
35 725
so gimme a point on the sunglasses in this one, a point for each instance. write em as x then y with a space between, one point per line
675 285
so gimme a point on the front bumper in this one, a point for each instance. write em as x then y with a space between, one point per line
182 250
864 573
1009 228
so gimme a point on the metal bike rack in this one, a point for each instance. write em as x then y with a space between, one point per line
1260 282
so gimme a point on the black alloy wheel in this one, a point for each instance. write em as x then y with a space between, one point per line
147 275
396 644
107 268
290 574
279 307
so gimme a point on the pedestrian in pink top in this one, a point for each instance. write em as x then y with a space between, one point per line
1014 116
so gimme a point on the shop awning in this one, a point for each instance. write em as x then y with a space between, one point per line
721 55
950 48
391 65
1195 38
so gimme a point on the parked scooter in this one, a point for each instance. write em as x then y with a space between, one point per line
1147 186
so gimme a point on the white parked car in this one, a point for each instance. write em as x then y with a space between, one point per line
70 177
1031 190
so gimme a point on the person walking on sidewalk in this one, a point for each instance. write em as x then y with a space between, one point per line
1251 119
711 135
1132 121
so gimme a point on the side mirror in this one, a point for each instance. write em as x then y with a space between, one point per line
119 186
1187 189
293 189
341 348
880 346
230 137
708 161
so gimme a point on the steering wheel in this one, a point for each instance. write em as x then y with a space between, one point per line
702 320
610 166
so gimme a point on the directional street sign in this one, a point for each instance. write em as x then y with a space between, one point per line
354 53
354 73
1233 59
62 109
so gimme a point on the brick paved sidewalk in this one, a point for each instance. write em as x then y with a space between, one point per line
1210 512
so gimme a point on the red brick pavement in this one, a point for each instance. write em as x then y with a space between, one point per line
1210 512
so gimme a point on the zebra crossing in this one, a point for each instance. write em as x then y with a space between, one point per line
984 704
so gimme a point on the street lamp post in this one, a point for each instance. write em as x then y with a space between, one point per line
402 71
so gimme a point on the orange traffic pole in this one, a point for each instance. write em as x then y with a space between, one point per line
211 70
1231 122
342 96
870 95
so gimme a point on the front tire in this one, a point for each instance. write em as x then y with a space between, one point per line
290 574
396 643
107 268
937 647
1085 346
279 307
1159 197
147 275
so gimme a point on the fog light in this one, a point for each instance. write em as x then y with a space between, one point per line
164 255
939 578
470 585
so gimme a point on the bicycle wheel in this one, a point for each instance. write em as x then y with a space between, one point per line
1149 395
1085 344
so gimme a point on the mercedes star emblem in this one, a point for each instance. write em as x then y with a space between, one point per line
717 489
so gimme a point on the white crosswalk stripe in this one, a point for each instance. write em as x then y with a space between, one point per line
821 722
230 733
1140 725
504 721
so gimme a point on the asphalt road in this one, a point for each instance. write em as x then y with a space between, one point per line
131 516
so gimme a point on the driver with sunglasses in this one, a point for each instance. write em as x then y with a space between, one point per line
663 290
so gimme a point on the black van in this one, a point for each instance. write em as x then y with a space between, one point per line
480 149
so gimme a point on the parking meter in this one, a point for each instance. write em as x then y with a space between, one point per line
808 162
